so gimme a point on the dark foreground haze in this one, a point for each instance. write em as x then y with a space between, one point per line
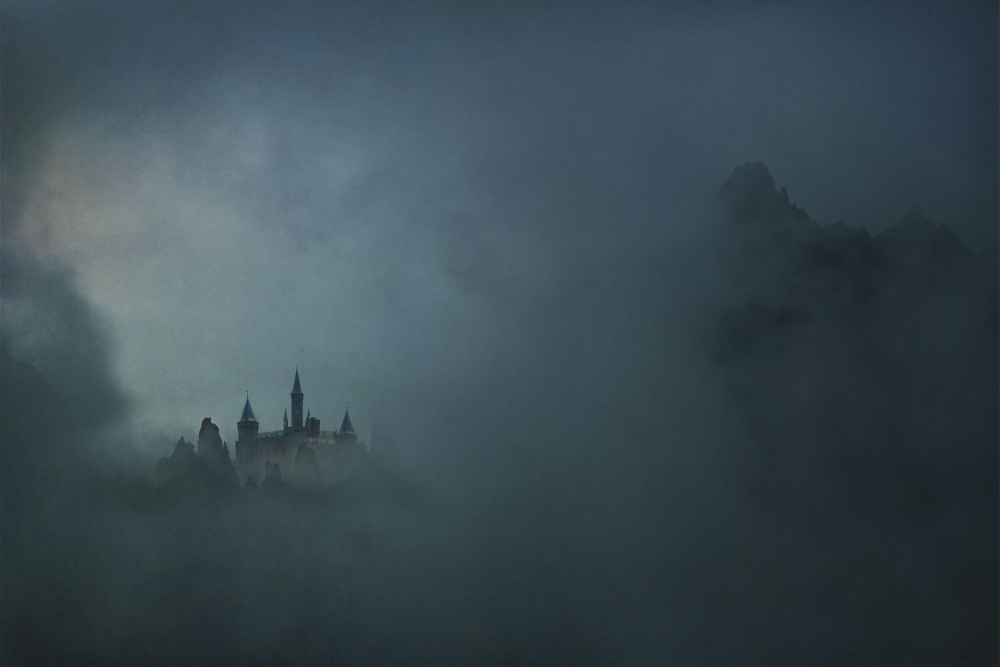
651 407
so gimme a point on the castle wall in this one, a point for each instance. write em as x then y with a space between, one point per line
336 454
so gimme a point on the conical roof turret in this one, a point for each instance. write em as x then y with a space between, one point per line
346 426
248 412
296 389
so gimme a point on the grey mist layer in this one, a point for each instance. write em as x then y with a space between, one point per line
654 402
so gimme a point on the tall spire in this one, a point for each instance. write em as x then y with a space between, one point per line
248 411
296 403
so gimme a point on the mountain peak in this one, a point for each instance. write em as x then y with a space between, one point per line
750 196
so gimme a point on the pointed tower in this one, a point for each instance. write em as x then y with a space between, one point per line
346 432
285 420
247 428
297 404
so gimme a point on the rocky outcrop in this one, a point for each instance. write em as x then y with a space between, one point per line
213 453
209 467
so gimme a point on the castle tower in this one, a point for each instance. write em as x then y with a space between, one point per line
247 425
312 425
247 428
346 432
297 403
285 420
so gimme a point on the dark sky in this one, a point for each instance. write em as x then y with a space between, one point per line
392 196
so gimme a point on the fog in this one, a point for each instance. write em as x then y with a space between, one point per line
644 417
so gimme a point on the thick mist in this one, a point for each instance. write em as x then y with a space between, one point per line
650 409
406 186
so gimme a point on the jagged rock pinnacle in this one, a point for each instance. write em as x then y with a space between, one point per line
750 196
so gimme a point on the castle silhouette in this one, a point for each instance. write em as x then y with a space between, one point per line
299 452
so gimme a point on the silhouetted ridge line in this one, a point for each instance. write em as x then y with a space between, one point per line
750 195
772 229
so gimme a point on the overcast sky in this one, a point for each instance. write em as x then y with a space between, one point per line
397 197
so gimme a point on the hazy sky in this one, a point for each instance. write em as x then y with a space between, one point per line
634 432
399 198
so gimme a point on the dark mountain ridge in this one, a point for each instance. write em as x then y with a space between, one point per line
865 374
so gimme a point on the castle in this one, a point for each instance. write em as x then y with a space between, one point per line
300 452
